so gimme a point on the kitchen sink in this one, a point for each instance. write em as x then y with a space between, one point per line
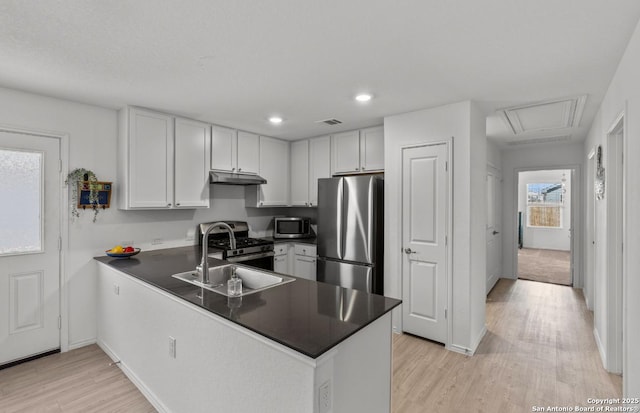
253 280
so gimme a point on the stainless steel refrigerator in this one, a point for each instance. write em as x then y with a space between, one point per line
350 232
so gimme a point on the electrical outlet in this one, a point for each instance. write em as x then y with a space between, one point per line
324 397
172 347
191 235
157 241
116 289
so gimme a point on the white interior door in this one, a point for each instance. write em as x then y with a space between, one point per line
425 187
30 186
494 236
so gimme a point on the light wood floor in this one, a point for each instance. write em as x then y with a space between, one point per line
77 381
539 350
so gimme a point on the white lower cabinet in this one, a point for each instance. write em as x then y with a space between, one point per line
304 261
281 261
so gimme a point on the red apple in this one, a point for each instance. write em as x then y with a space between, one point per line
129 249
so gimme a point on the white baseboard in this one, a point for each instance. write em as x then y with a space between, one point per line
458 349
146 392
466 350
83 343
601 349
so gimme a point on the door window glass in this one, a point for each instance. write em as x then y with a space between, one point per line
544 204
20 202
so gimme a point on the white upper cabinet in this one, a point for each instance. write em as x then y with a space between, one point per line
310 161
300 173
145 150
319 165
248 152
234 151
360 151
274 167
224 146
148 157
372 149
191 172
346 152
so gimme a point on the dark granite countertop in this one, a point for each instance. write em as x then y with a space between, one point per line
312 240
306 316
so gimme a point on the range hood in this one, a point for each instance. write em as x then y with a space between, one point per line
228 178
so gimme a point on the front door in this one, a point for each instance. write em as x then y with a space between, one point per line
30 187
425 205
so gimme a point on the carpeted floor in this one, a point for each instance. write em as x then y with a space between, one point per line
549 266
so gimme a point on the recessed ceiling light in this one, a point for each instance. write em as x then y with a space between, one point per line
363 97
275 120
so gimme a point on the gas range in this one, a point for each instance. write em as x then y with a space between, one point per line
250 251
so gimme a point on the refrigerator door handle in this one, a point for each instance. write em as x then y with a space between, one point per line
340 212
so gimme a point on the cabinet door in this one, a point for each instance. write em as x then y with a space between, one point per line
305 267
248 152
280 264
150 159
300 173
319 165
274 167
372 149
346 152
223 149
191 177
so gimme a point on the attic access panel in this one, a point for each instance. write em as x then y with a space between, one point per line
549 115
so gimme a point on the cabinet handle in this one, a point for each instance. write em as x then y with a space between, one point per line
261 203
239 169
177 203
168 204
233 169
306 204
362 169
357 169
310 203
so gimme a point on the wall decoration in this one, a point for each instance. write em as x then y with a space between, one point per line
599 180
81 178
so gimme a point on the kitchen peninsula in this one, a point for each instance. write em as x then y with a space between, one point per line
298 347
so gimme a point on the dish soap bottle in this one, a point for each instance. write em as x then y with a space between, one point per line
234 284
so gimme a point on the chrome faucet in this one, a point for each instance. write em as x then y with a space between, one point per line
203 268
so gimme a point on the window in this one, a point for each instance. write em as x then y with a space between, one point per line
544 205
21 206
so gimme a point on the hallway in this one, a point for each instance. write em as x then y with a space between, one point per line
539 350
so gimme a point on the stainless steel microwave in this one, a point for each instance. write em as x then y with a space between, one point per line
291 227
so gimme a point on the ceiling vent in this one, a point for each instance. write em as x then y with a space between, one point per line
540 140
330 122
549 115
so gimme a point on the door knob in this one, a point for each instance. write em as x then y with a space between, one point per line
495 232
409 251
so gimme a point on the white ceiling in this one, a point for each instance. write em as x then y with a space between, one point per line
236 63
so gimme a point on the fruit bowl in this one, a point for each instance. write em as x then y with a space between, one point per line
122 254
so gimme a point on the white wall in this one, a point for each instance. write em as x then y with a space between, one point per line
464 122
546 238
92 133
545 156
623 95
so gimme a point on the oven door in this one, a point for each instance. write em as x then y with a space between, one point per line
262 260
